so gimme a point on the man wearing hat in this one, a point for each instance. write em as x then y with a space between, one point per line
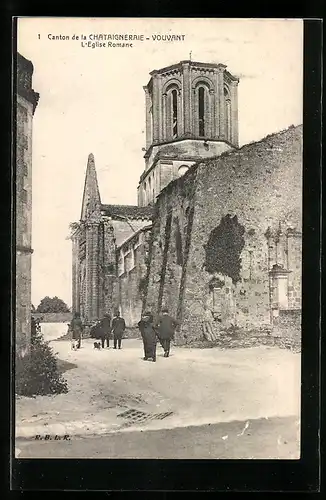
118 328
148 334
104 330
166 326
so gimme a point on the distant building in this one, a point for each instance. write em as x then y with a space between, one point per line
27 100
216 228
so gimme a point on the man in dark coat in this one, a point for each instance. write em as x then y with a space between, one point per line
118 328
76 327
148 334
104 330
165 327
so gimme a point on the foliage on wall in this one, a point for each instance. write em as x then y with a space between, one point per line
190 218
224 247
148 249
168 225
142 285
178 243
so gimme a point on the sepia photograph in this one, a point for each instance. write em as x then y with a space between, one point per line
158 238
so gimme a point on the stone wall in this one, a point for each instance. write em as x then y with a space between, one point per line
53 317
245 192
170 242
288 325
23 222
23 301
132 282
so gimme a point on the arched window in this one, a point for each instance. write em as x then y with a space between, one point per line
174 110
149 188
171 112
151 122
201 111
182 170
145 194
227 114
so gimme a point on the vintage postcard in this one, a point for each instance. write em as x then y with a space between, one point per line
159 232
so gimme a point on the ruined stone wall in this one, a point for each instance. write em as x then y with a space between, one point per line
260 185
130 299
235 199
169 246
288 325
132 283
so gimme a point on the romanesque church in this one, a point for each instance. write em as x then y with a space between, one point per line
217 228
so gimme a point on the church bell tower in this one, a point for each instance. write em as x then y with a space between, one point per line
191 114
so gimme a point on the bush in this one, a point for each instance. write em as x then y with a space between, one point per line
52 305
37 372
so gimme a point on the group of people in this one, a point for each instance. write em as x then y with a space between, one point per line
106 328
162 329
102 330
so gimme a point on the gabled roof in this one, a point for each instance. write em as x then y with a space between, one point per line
128 212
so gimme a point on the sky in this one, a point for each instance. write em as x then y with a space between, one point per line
92 101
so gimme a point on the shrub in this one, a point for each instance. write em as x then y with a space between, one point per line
52 305
37 372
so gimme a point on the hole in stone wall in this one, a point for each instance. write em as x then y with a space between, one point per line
224 247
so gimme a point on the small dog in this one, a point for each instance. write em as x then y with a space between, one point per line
74 344
97 345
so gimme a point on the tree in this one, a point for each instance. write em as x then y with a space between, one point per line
33 310
52 305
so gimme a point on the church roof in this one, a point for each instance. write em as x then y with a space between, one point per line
195 64
128 211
